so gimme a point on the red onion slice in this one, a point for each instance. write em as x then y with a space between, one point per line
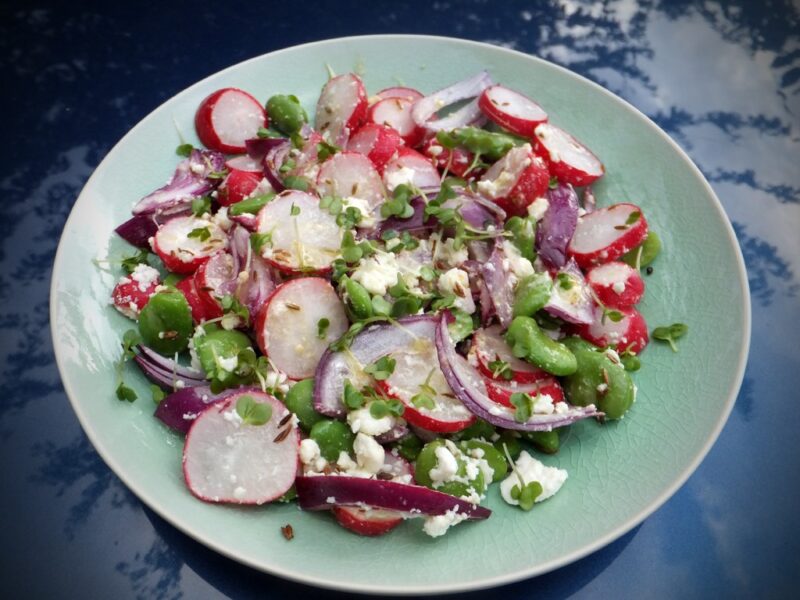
169 364
558 225
273 160
179 410
427 107
574 305
369 345
496 277
468 385
325 491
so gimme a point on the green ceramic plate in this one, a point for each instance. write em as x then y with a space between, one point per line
618 473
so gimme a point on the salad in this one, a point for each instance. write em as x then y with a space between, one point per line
385 313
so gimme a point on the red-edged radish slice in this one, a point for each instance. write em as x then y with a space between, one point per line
132 292
456 161
228 460
628 333
214 279
489 346
184 243
377 142
201 310
411 168
606 234
367 521
396 113
341 108
511 110
306 241
501 391
569 160
417 369
237 186
306 163
227 118
246 163
516 180
353 177
288 325
399 92
616 284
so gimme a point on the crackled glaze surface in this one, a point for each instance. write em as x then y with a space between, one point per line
723 82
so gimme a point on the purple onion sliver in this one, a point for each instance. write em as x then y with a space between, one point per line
496 277
557 227
179 410
169 364
138 230
273 160
427 107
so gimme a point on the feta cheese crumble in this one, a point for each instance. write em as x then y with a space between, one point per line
550 478
456 282
361 420
438 525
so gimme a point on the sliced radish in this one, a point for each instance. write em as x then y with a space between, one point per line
288 325
227 118
201 310
569 160
416 372
306 163
341 108
501 391
616 284
511 110
305 241
516 180
245 163
399 92
367 521
607 233
214 279
133 292
489 346
184 243
353 177
411 168
456 161
628 333
377 142
396 113
237 186
228 460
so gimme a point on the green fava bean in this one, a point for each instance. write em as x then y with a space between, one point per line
165 323
427 461
523 235
286 114
599 381
532 294
332 437
300 400
479 429
529 342
409 447
509 442
544 441
218 344
491 455
357 300
650 248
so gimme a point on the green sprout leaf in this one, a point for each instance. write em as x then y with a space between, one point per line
382 368
322 327
252 412
670 333
184 150
200 233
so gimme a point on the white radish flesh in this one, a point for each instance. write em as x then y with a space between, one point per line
305 237
569 160
227 118
517 113
183 243
245 163
288 327
607 233
353 177
411 168
396 113
341 108
228 460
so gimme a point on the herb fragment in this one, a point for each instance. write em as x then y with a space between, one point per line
200 233
352 398
201 206
670 333
252 412
130 263
382 368
322 328
259 240
184 150
523 405
501 368
526 496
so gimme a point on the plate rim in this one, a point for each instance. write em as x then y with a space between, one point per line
478 584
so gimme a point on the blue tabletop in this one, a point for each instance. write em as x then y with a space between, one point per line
723 79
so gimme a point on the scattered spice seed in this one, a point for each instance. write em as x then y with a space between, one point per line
649 270
287 532
282 435
292 305
285 420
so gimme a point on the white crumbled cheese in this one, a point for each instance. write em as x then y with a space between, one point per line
543 404
403 175
618 287
602 388
561 408
345 463
456 282
377 273
369 453
538 207
228 364
495 188
231 416
221 219
311 457
180 384
438 525
239 492
550 478
446 466
330 500
144 276
435 150
446 254
514 262
368 219
361 420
